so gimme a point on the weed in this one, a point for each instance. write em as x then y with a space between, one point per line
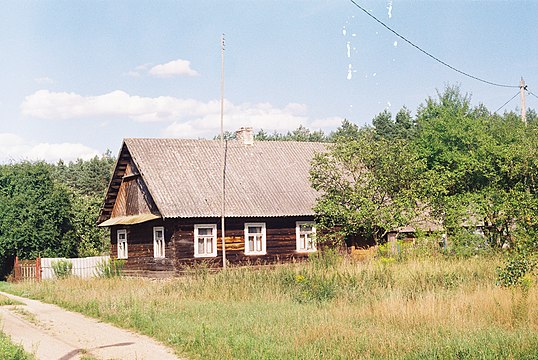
11 351
62 268
110 268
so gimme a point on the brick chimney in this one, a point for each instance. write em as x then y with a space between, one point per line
245 135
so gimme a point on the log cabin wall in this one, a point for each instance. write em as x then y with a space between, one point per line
280 241
179 238
140 259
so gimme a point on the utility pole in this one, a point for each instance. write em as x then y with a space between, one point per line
522 89
223 154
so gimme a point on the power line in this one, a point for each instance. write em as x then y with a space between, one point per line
503 105
430 55
530 92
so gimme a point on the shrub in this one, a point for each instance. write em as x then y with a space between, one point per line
466 243
110 268
515 270
62 268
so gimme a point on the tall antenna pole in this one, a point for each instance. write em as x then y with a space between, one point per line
223 151
522 88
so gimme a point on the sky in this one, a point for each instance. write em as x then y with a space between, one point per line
76 77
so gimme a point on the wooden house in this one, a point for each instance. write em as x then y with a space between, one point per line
164 203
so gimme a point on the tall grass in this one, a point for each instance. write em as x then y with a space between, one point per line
327 308
11 351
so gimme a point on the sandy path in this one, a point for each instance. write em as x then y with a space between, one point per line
51 333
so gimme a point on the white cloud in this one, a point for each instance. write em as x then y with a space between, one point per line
172 68
187 118
15 148
49 105
45 80
138 71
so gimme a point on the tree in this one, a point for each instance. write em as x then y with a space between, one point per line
402 127
367 185
481 167
347 130
87 181
35 213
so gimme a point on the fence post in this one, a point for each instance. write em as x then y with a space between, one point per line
38 269
16 268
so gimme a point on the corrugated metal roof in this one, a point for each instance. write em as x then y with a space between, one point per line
268 178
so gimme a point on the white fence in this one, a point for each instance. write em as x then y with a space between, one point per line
82 267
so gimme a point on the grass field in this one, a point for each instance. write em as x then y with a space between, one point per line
326 309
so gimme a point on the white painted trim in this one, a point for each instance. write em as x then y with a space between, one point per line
214 231
122 253
158 249
298 241
264 239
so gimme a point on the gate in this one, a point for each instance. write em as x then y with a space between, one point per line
27 270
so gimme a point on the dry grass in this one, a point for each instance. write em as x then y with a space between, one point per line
431 308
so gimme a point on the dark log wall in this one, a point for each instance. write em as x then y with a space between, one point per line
179 237
140 247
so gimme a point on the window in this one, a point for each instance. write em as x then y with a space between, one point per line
255 239
205 240
122 244
306 236
158 242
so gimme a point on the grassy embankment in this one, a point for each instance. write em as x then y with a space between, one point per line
427 308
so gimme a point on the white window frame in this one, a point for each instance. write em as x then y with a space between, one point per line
158 244
122 244
300 245
213 253
263 250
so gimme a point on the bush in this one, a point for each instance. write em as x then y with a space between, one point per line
62 268
466 243
515 269
110 268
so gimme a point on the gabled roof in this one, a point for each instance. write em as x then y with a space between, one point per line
183 177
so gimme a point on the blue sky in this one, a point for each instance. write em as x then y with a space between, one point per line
76 77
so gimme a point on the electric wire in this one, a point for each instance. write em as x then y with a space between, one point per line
503 105
430 55
530 92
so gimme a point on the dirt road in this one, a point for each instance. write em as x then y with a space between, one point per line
50 332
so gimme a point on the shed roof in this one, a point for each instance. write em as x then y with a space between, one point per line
266 179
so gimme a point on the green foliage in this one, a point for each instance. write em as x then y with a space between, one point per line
62 268
35 213
110 268
515 269
402 127
347 130
50 210
11 351
300 134
368 185
466 243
